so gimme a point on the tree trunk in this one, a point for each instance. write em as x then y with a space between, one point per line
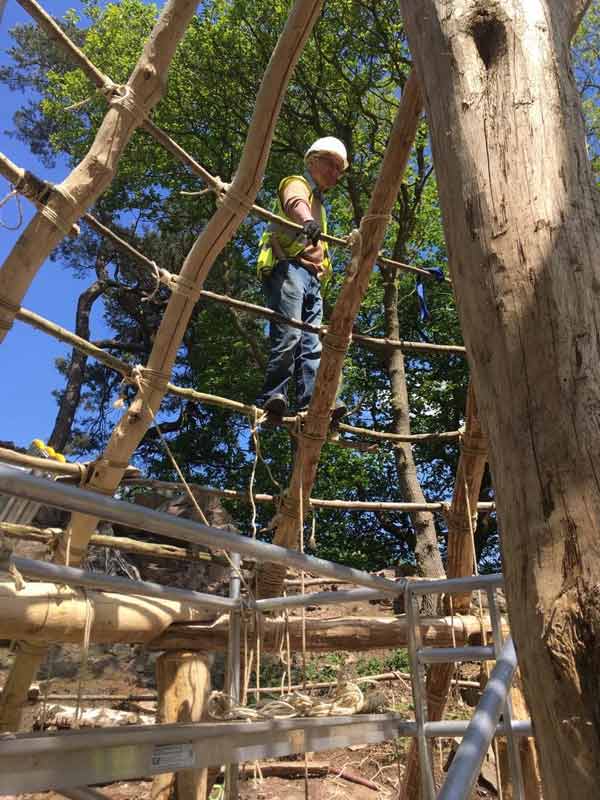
427 553
69 401
521 221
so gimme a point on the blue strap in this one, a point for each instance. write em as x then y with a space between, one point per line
424 313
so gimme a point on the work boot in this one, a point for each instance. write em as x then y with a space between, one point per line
276 408
277 405
339 412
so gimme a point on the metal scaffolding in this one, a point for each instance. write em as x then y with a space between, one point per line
28 762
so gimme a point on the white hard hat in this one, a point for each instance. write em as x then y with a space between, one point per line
331 145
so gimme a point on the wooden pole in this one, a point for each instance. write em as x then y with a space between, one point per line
126 370
46 612
335 344
101 81
148 549
129 106
183 685
325 635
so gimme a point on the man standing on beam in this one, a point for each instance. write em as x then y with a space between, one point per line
292 268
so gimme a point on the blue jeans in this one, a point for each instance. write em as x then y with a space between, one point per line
292 290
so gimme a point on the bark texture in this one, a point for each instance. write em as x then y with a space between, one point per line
427 553
69 401
521 221
469 474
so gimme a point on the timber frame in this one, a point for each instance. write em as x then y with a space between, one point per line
177 621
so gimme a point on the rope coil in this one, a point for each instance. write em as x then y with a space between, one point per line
348 699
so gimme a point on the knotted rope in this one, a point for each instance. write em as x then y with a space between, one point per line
225 196
347 699
66 228
116 94
7 564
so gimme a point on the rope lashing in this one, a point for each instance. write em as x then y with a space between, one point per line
177 284
226 197
7 564
12 308
376 217
106 90
67 229
124 97
339 343
143 377
354 238
116 94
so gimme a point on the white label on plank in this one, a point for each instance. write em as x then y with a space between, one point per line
171 757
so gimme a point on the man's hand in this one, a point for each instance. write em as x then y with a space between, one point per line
312 231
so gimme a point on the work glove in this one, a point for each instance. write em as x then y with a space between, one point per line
312 231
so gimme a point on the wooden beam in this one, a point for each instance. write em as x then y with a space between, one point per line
325 635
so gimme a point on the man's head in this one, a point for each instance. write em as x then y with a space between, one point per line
326 159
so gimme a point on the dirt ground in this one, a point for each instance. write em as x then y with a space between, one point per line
125 670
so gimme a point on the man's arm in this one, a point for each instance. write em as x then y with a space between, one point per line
295 200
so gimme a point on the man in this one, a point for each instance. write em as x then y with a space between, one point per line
293 268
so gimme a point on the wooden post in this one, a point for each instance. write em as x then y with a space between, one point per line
183 683
520 209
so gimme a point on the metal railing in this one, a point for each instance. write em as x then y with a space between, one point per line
29 762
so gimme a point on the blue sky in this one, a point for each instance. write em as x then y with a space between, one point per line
27 407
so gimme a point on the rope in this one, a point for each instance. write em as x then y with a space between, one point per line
116 94
177 284
339 343
89 619
12 193
312 542
227 198
67 229
107 90
348 699
375 217
257 418
124 97
6 563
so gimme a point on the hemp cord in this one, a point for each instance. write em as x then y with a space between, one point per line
12 193
89 620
